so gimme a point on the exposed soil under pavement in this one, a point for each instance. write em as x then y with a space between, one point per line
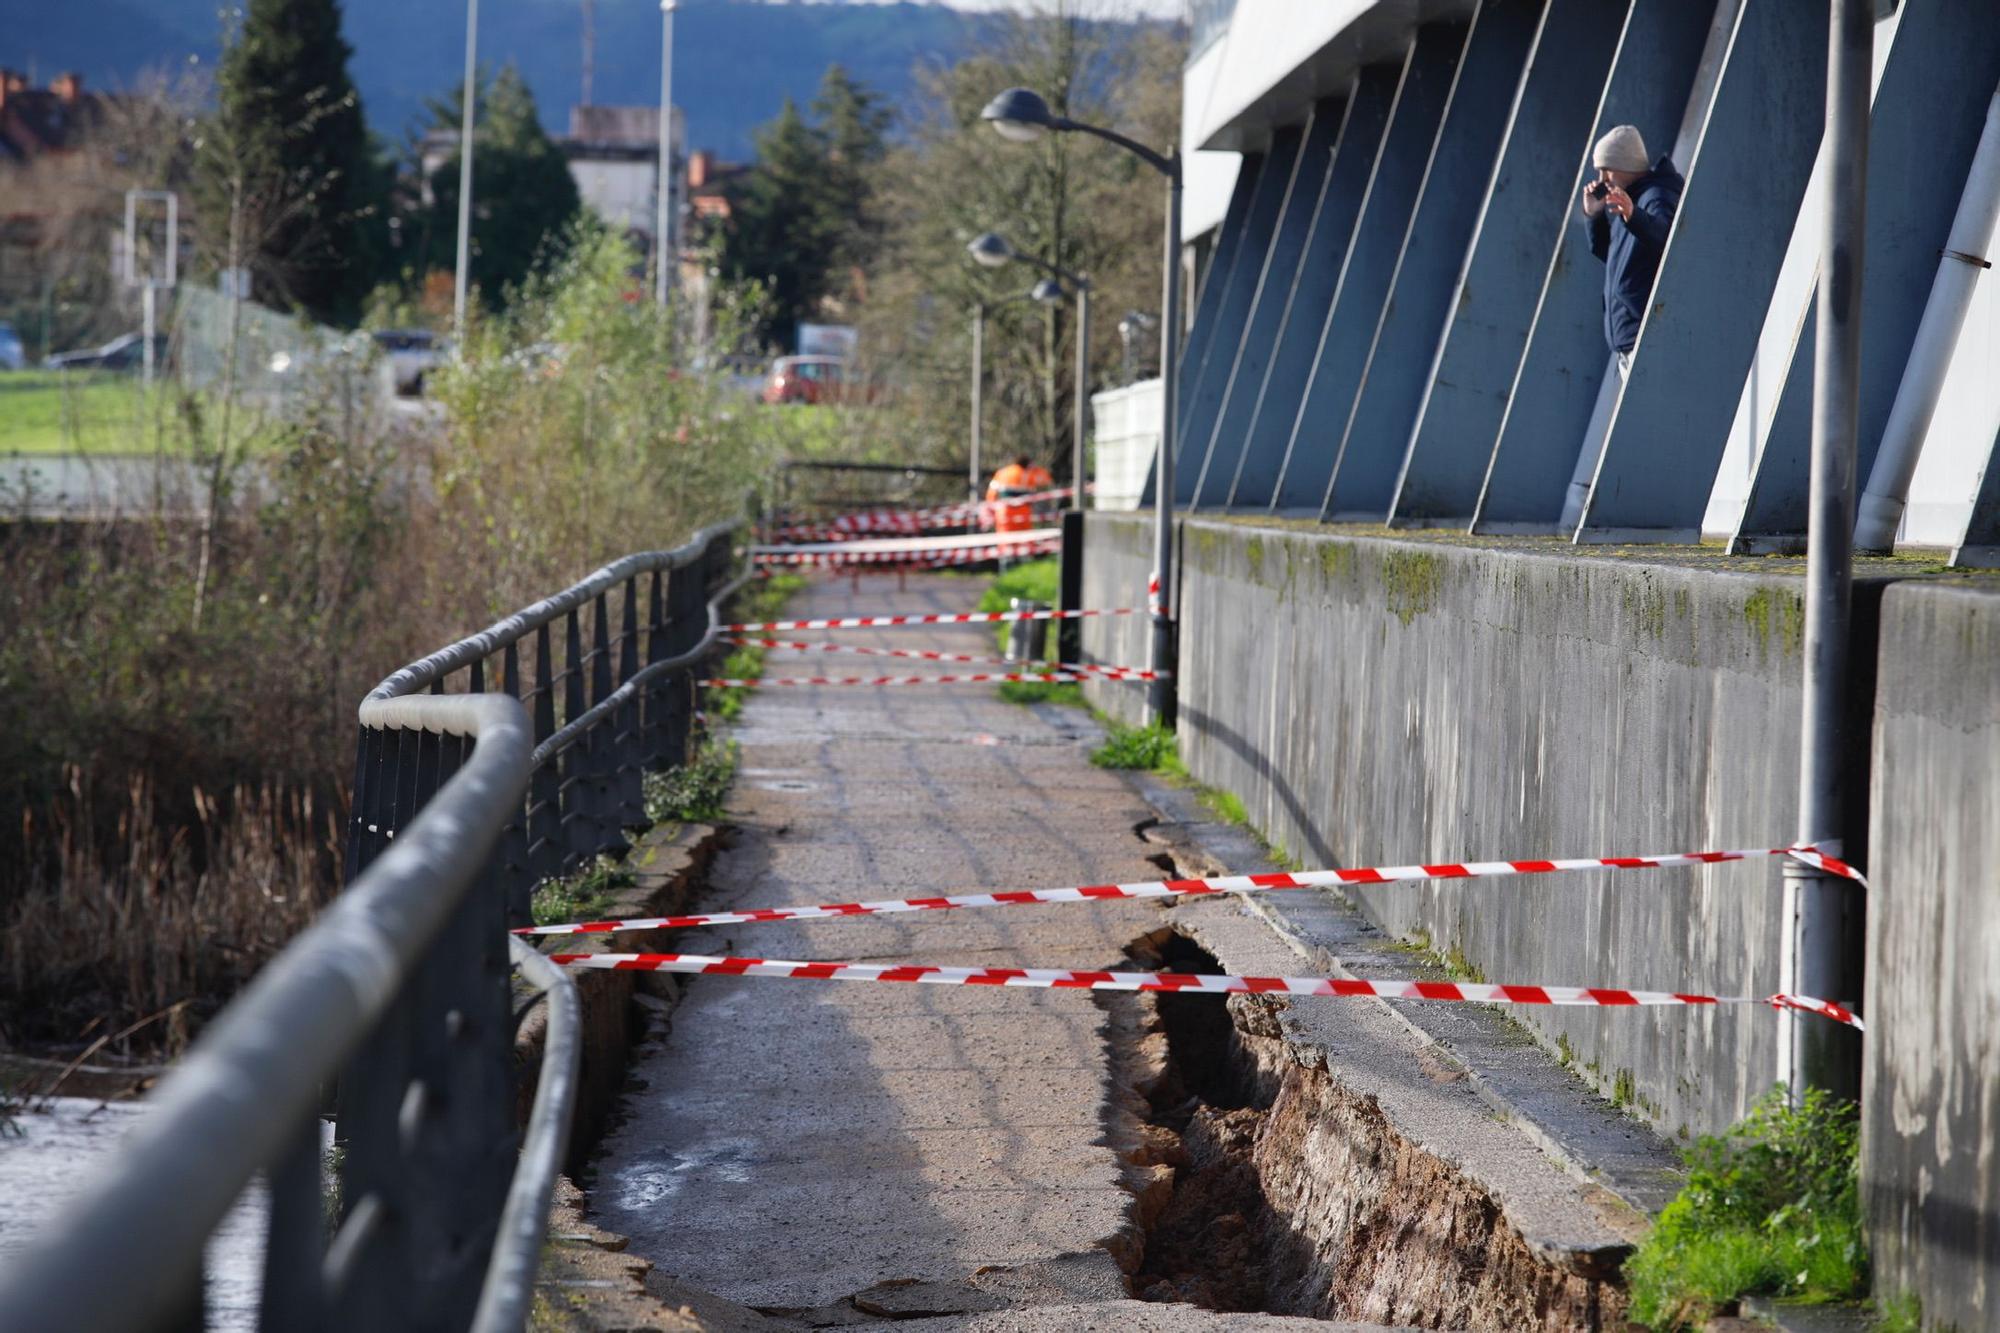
1264 1185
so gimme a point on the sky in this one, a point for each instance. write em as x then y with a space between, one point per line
1159 9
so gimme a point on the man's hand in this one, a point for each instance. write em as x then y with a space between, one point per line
1618 202
1593 198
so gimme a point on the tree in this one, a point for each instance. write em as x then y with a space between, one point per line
805 213
523 197
1070 199
286 184
853 127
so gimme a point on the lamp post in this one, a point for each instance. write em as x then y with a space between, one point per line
992 250
665 253
1021 114
980 309
469 97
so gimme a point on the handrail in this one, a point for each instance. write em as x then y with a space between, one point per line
398 996
625 693
476 647
510 1278
120 1255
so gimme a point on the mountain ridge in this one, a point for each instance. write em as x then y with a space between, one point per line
734 60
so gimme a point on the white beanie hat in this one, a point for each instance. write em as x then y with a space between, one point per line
1621 150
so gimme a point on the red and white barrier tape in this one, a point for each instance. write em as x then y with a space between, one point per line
922 654
975 678
1175 888
938 618
965 513
930 557
1155 604
1181 982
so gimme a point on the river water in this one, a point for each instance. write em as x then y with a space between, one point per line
63 1140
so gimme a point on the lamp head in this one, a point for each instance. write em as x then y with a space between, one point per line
1020 114
1048 292
990 249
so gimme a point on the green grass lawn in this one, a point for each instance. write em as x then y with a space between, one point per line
76 412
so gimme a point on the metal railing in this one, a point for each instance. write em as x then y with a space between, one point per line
430 1211
834 486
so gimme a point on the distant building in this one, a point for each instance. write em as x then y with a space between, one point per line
614 157
39 121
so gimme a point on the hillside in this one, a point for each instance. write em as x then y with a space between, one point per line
735 60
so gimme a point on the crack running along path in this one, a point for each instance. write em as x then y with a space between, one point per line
791 1145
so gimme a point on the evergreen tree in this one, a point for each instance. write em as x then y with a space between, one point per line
853 125
523 197
804 213
286 183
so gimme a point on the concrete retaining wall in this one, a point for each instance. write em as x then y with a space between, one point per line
1373 699
1931 1077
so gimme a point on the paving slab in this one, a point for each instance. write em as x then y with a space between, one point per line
792 1144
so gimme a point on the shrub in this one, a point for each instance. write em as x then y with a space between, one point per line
1151 748
1771 1207
177 698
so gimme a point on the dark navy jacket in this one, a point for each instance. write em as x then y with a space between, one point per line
1631 250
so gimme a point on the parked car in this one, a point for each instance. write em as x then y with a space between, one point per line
808 379
412 354
123 353
13 356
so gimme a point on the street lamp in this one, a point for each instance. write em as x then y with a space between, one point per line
461 275
1023 116
991 250
664 250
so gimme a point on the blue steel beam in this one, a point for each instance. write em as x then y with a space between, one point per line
1979 546
1349 327
1714 286
1310 167
1494 306
1296 341
1923 130
1232 312
1377 430
1555 384
1194 352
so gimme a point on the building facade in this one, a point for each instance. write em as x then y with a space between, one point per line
1398 318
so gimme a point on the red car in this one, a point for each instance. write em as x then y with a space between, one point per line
807 379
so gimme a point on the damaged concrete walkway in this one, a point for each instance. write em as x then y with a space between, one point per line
796 1144
801 1154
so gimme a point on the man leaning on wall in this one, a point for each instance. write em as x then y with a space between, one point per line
1628 211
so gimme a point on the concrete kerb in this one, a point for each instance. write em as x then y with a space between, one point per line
586 1281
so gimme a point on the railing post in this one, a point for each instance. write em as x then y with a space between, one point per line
627 743
578 836
600 739
1069 633
427 1120
660 689
686 599
294 1296
517 882
545 795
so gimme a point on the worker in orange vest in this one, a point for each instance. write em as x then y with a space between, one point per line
1023 476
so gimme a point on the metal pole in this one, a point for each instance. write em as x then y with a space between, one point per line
1160 695
1820 908
978 392
665 253
1076 468
467 105
146 299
